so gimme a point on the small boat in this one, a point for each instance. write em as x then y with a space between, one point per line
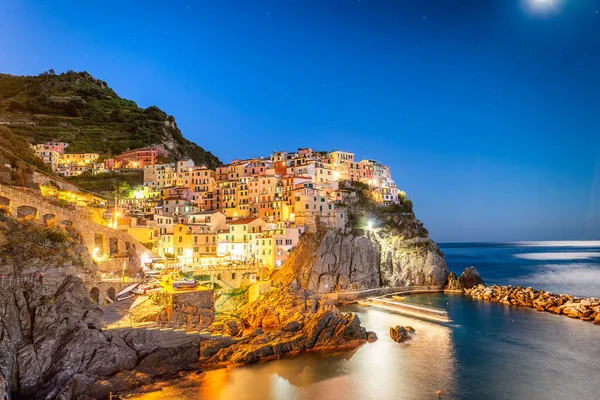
125 293
185 284
125 296
146 289
399 298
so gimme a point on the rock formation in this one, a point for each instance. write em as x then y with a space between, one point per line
469 278
395 251
585 309
401 334
53 346
285 320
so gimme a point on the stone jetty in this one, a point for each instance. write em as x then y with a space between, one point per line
585 309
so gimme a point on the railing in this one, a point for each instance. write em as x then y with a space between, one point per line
384 291
123 280
17 280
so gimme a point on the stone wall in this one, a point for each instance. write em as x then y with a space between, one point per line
188 309
111 243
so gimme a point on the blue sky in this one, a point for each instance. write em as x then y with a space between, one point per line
487 111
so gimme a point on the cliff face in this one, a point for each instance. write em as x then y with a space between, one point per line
395 250
52 347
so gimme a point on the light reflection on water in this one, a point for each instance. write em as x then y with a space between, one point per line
489 351
380 370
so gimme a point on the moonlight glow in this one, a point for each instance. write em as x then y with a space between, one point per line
544 7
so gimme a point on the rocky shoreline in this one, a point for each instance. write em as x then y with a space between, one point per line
585 309
54 346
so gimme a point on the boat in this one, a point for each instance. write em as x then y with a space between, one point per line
399 298
146 289
154 273
124 294
184 284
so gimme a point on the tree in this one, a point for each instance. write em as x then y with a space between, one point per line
122 190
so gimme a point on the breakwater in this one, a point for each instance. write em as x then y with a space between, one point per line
585 309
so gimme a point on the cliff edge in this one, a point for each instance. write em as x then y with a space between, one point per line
380 246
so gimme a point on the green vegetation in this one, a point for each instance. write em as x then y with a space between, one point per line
105 182
75 107
24 240
397 218
122 190
15 151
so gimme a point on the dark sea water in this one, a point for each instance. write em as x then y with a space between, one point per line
489 351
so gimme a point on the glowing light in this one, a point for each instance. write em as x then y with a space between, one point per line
145 259
543 7
138 194
369 225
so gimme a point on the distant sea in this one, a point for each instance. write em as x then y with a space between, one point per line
489 351
560 267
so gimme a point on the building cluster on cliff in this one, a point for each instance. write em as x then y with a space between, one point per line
249 211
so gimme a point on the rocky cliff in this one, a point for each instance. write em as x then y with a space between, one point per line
53 346
381 246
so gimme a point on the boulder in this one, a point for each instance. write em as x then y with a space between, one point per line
469 278
401 334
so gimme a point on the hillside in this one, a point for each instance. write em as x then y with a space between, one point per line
75 107
17 160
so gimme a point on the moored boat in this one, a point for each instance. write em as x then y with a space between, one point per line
185 284
127 293
125 296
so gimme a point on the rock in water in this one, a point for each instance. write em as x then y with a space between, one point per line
468 279
401 334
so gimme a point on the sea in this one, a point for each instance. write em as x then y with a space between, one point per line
488 351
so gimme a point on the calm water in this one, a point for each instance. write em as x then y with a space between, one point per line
489 351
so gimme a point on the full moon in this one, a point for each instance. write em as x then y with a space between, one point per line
544 6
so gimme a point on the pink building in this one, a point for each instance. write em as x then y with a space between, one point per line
139 158
58 147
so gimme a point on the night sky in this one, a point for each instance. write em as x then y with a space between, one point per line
487 111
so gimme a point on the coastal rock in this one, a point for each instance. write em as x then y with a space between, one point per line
336 261
287 320
53 346
470 277
401 334
584 309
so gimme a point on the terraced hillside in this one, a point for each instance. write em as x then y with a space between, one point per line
77 108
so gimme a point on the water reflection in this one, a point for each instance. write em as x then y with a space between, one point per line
380 370
490 351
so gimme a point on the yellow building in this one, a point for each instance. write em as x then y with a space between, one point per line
78 159
237 243
183 243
